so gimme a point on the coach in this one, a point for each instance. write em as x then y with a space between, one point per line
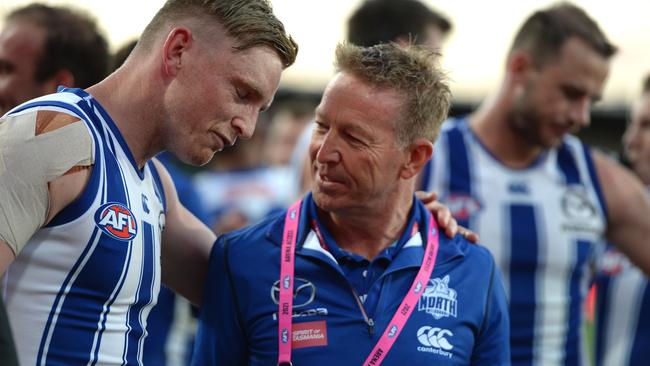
356 272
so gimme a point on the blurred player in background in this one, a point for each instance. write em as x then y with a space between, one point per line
623 295
539 198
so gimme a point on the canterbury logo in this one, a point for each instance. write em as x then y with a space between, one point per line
117 221
435 337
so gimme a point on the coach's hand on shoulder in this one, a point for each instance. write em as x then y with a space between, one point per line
443 216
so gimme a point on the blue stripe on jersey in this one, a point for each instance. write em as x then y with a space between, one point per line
118 136
122 279
573 340
594 179
458 162
567 164
523 265
103 315
602 305
95 288
640 349
459 175
49 103
425 175
159 325
110 143
55 306
144 295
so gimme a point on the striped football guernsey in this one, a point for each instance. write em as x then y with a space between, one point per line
541 223
80 291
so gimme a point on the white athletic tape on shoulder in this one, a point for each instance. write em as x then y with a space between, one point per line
27 163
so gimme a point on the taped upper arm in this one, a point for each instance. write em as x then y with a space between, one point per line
36 147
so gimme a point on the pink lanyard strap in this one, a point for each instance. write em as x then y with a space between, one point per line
285 305
396 324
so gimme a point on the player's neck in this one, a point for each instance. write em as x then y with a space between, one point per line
491 126
130 109
368 231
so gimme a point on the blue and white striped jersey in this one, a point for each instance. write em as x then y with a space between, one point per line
80 291
622 312
541 224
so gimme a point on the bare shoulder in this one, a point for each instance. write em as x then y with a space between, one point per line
621 188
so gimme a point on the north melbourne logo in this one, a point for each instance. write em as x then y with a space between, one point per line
438 299
581 213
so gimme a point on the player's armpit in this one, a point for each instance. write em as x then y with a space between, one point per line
628 210
186 245
36 148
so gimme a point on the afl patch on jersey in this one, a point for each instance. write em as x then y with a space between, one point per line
117 221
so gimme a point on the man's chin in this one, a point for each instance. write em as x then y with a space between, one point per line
324 201
550 142
199 159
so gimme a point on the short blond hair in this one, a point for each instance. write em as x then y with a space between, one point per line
413 72
250 22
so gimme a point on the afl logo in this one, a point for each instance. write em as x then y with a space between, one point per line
117 221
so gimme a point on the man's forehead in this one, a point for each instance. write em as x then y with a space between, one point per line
22 37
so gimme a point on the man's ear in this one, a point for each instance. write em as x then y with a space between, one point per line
520 64
419 152
177 43
62 77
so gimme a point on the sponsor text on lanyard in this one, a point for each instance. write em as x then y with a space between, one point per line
394 328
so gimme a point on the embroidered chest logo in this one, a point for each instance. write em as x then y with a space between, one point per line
117 221
304 294
580 212
439 299
576 204
435 340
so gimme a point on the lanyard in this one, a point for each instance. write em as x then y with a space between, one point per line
396 324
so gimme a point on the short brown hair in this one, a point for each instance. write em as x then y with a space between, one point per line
412 71
73 42
250 22
381 21
544 33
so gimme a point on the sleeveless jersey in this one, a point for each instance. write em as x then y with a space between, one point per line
622 312
80 291
541 224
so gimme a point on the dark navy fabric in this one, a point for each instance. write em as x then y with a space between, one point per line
461 318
